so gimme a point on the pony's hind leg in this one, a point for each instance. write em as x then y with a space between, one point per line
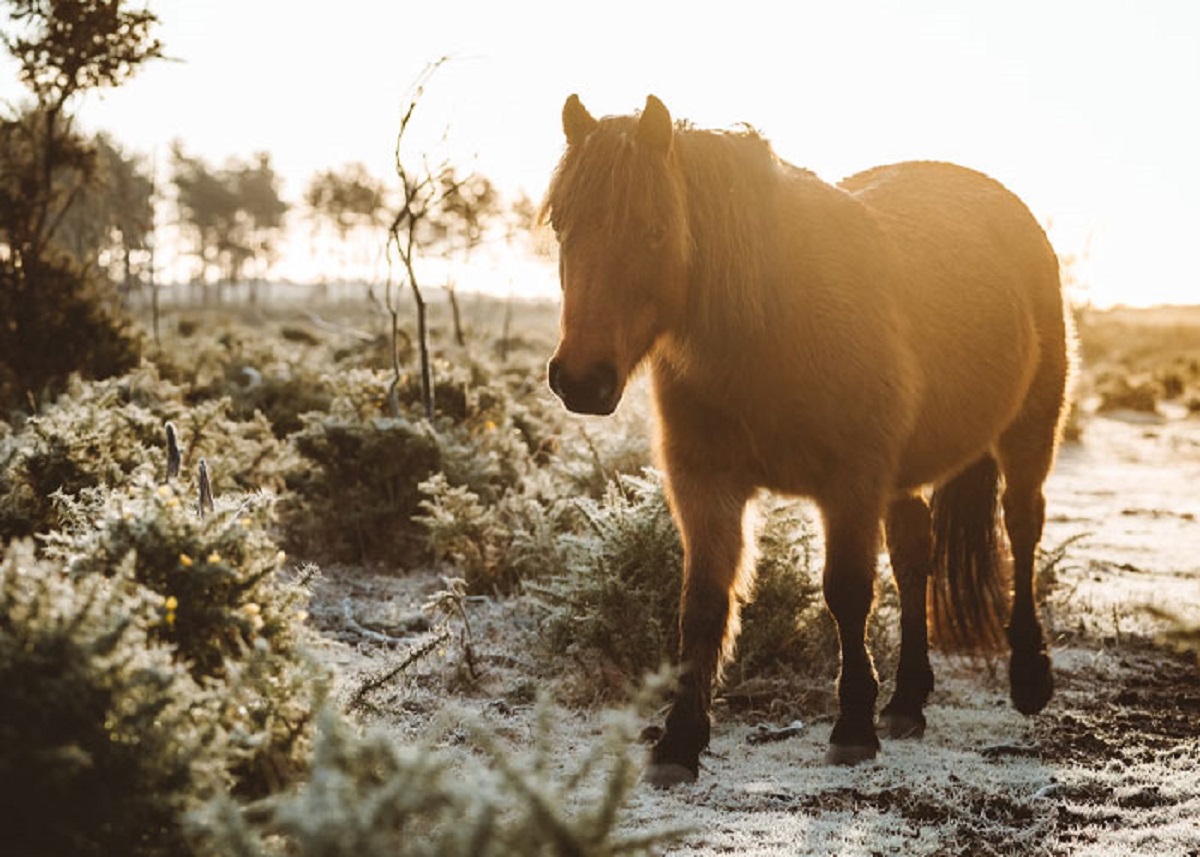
1026 454
1031 682
851 547
910 544
715 571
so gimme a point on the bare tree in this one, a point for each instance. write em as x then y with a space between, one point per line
423 191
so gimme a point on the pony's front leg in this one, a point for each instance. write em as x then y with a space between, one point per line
851 547
710 520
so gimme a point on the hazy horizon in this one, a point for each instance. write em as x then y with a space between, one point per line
1085 110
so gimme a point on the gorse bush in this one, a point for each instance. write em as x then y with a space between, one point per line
368 797
356 495
494 546
107 739
355 498
614 608
223 606
785 622
98 433
218 576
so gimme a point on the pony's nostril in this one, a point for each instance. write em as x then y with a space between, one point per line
604 382
554 377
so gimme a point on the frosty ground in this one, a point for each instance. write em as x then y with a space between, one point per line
1112 765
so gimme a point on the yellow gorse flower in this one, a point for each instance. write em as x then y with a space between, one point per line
185 560
213 558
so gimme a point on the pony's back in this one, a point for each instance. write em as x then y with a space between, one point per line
977 284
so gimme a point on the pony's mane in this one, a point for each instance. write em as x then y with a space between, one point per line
732 178
612 183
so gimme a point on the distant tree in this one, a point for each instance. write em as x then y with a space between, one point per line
111 222
235 214
54 318
349 200
467 207
522 221
260 212
458 224
207 206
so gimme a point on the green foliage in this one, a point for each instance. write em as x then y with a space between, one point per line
785 622
223 607
358 496
54 320
106 739
100 432
54 316
615 606
612 603
369 797
494 546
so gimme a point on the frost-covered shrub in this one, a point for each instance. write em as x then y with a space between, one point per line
356 497
99 432
106 739
785 622
219 576
493 546
223 605
615 606
281 372
369 797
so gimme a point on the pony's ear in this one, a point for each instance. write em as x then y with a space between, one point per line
654 128
577 122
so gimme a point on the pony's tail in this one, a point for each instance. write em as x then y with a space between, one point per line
968 593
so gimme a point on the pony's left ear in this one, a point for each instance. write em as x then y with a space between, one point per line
577 122
654 128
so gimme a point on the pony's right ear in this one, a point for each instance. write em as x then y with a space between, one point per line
577 122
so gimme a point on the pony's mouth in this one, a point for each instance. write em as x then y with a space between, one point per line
596 392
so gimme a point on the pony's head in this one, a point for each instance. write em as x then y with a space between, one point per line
617 205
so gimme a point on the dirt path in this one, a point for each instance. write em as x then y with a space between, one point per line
1111 767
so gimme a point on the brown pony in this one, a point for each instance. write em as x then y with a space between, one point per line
857 345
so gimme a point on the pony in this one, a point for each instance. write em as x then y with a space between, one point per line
894 347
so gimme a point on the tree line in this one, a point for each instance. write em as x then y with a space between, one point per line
79 212
231 216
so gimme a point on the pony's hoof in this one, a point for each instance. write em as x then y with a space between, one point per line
664 775
1032 682
849 754
896 724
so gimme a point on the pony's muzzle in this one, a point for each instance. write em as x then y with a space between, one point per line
596 391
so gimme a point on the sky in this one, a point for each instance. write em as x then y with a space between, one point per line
1090 111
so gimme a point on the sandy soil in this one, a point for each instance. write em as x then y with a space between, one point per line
1111 767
